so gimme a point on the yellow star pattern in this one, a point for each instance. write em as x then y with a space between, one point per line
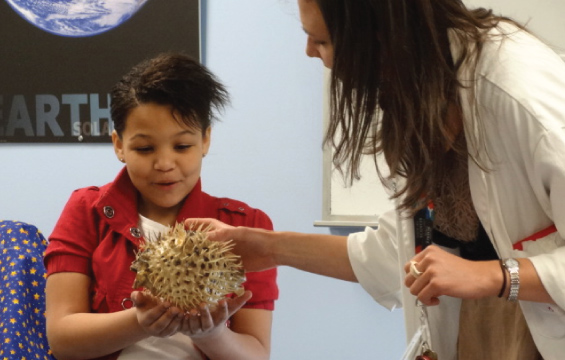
22 310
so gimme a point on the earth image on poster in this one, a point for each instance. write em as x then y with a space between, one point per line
76 18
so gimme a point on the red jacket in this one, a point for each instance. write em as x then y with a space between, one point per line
97 234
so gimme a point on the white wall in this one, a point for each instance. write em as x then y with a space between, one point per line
543 17
266 151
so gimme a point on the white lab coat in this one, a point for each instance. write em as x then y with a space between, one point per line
520 89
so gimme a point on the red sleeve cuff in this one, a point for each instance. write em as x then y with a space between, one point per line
67 263
263 305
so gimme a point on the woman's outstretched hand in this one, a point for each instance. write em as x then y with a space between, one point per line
253 245
217 230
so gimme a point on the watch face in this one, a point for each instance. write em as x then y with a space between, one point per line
511 263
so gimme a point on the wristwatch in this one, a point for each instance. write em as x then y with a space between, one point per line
513 268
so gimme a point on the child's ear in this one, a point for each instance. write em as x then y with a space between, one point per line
206 139
118 146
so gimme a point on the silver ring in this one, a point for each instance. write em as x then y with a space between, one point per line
127 303
414 271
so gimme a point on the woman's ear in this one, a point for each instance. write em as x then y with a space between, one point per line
118 146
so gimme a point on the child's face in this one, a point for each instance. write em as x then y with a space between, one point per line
163 158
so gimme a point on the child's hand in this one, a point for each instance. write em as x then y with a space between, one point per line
202 322
155 317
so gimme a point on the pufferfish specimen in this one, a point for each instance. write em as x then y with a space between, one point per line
185 268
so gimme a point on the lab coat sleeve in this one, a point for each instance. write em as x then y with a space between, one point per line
374 258
550 263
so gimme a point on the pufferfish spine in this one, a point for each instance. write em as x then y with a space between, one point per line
186 269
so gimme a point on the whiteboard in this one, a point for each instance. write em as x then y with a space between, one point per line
362 203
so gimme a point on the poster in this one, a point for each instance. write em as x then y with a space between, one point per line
60 59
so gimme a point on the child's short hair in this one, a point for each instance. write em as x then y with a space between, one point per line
169 79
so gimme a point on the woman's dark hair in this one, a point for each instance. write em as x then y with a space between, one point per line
169 79
393 80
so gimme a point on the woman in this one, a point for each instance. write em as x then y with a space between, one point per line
468 109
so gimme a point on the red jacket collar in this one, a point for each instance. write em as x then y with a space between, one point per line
122 196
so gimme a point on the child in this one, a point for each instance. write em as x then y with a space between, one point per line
162 113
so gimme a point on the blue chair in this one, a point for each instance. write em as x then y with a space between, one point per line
22 292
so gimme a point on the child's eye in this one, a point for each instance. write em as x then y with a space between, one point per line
143 149
182 147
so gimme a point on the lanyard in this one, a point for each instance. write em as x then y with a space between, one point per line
423 231
423 227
